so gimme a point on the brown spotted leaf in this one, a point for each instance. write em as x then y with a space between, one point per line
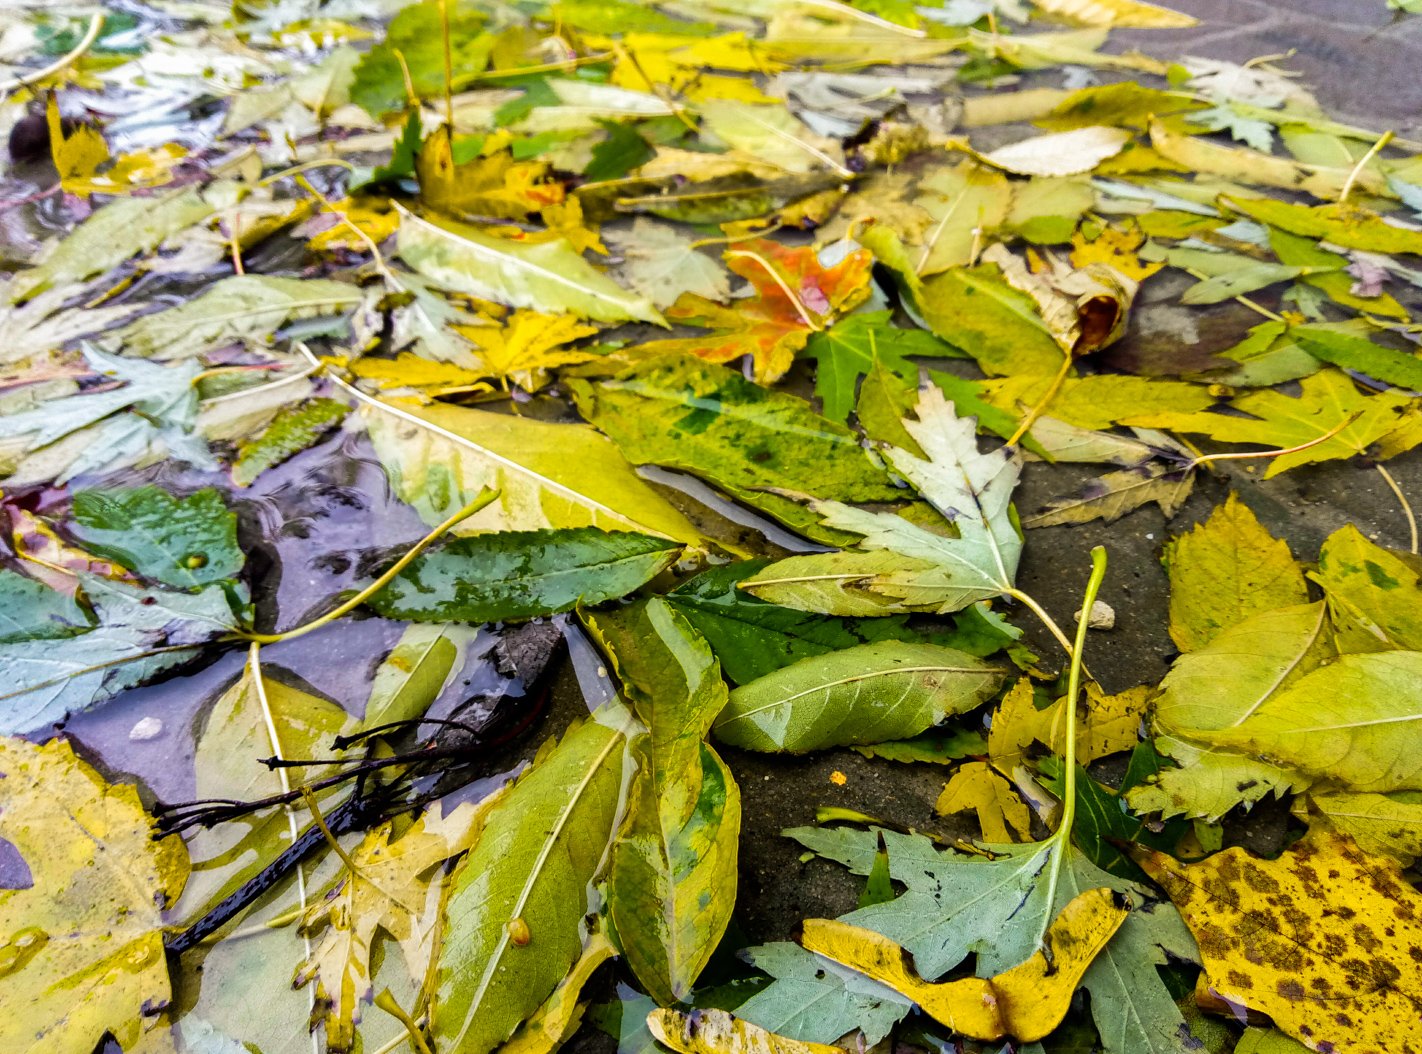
1326 940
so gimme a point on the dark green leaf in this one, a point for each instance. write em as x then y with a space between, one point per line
186 543
522 574
292 430
623 150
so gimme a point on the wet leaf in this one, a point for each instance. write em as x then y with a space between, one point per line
547 475
662 264
291 431
1298 938
522 574
558 1018
1225 571
84 939
976 311
900 561
672 883
1119 13
185 543
31 610
1026 1002
1381 824
527 346
541 847
391 891
1362 356
680 413
872 692
1338 224
417 669
547 276
136 627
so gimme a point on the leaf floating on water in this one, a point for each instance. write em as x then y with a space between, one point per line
83 949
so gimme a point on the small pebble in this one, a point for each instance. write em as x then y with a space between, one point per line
148 728
1102 616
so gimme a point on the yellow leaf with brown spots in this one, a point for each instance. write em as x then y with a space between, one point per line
1326 940
1026 1002
717 1032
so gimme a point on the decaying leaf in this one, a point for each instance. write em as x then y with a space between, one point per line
1026 1002
717 1032
1321 939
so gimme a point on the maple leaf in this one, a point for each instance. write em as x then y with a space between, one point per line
796 296
527 346
851 348
391 890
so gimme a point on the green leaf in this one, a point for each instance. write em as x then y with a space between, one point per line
186 543
853 346
976 311
753 638
522 574
402 157
874 692
292 430
112 234
1372 593
42 682
816 1000
682 413
157 406
534 865
1218 686
885 399
1329 274
31 610
997 906
412 676
414 41
931 748
878 886
1336 223
239 308
1246 278
673 885
1361 356
548 475
547 276
902 565
619 153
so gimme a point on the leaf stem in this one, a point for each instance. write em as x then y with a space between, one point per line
1068 750
790 294
1406 506
484 498
1383 140
1044 401
1205 459
1027 601
96 26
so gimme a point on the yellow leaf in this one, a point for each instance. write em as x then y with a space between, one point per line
375 216
1116 247
390 890
1120 14
528 346
411 371
76 156
1101 400
557 1018
1226 570
1325 939
1109 724
717 1032
1389 824
492 186
965 202
83 941
1026 1002
977 787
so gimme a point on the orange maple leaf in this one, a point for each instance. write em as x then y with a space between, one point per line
795 296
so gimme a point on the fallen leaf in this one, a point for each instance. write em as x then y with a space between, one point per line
662 265
1319 939
84 935
1026 1002
1225 571
186 543
796 297
492 185
1121 14
1060 153
1372 593
975 786
1110 496
527 346
292 430
853 346
717 1032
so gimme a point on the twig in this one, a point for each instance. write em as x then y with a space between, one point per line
96 26
1406 507
1044 401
